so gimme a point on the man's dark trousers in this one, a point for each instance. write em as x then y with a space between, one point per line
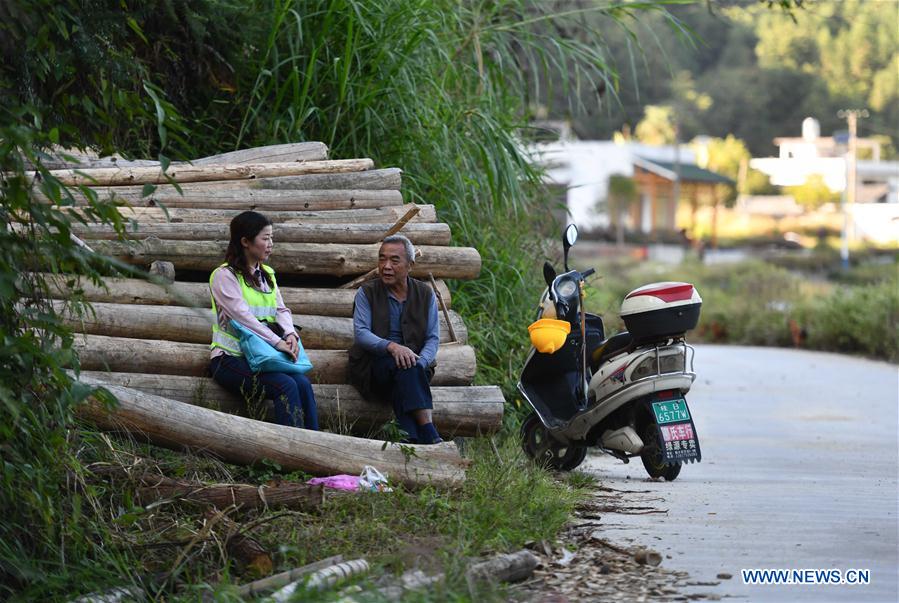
407 390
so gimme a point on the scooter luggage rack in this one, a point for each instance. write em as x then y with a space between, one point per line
658 357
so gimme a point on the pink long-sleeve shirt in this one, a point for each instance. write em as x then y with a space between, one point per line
229 303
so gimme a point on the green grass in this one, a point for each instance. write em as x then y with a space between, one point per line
505 503
754 303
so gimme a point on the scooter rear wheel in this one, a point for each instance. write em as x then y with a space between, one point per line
652 455
545 450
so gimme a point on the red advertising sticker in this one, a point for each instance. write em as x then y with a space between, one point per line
679 431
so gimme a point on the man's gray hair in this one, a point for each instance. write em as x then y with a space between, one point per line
410 248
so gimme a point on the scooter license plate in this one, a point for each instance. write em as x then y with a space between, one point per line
678 434
671 411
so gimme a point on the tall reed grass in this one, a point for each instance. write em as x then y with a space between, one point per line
439 88
444 90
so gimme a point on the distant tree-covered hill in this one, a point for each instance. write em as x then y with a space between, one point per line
741 67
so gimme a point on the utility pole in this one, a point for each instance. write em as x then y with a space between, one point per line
849 194
676 189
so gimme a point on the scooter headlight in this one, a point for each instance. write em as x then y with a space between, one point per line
566 288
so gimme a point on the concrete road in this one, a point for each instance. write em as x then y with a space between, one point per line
799 471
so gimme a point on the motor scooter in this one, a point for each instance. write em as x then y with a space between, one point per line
625 394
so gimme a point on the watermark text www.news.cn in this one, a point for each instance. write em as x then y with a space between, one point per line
806 576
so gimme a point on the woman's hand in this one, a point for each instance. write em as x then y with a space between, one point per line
285 347
294 342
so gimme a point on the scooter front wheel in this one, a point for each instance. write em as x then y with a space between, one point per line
545 450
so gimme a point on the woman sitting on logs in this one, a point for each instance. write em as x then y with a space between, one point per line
244 289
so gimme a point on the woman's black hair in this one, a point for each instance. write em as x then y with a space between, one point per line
246 224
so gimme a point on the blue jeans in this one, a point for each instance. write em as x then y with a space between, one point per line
407 390
291 392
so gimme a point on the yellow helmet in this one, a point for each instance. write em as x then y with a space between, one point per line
548 335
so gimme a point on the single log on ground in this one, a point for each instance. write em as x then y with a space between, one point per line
381 215
420 234
152 487
194 325
295 258
463 411
262 200
455 363
205 173
304 301
246 441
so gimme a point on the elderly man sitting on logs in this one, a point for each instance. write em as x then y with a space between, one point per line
397 333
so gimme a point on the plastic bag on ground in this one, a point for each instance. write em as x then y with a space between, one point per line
372 480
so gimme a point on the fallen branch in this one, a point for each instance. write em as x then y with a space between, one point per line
200 536
449 325
611 546
630 510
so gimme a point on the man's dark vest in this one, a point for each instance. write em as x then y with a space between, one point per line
414 323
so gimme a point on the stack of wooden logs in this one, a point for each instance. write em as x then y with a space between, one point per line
328 215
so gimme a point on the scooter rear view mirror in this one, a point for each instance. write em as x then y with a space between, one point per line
569 238
549 273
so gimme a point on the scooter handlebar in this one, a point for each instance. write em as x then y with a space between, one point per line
589 272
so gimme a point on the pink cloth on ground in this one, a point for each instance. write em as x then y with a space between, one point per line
338 482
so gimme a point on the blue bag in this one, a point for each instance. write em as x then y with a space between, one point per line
263 358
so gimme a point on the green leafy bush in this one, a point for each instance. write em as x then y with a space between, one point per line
45 523
855 319
755 303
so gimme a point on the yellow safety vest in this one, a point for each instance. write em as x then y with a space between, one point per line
264 306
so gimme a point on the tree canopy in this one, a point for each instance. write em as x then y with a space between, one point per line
755 71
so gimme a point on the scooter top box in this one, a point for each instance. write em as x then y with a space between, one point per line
661 310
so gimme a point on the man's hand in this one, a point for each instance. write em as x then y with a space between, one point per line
404 357
285 347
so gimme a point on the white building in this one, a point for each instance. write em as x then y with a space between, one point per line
814 155
583 168
875 216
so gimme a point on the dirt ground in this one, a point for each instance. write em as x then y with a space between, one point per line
584 565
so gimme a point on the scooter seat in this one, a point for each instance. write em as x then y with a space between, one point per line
610 347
